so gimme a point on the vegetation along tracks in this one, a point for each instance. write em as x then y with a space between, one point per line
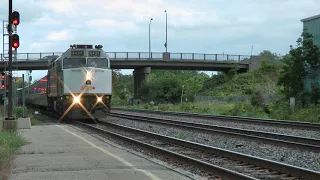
274 138
219 162
271 122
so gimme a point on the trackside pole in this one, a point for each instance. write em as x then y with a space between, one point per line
23 98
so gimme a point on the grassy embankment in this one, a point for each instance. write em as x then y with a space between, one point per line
262 82
278 110
11 141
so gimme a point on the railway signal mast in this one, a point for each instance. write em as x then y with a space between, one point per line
13 22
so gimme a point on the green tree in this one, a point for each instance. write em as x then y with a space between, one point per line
166 86
269 56
121 82
297 64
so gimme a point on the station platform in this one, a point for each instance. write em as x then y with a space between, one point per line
63 152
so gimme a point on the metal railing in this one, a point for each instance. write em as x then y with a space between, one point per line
143 56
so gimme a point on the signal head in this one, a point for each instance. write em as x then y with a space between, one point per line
15 18
15 41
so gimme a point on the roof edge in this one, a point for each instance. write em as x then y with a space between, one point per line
310 18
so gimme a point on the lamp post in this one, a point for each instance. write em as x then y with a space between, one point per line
166 44
150 39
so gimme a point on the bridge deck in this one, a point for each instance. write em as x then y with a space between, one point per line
131 60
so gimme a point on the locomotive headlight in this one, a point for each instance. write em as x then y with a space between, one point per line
88 77
76 99
99 99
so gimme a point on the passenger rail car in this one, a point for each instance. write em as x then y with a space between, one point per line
79 82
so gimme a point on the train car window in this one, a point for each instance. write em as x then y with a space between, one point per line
73 63
97 62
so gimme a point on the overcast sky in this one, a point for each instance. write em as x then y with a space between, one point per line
202 26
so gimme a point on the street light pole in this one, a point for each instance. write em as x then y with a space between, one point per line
150 39
166 44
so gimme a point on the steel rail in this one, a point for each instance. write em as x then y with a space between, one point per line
274 138
220 171
283 123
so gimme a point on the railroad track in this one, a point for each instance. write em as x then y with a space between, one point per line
223 164
274 138
273 122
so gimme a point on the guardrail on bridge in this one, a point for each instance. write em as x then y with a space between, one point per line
142 56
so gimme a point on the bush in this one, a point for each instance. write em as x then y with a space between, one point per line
18 111
310 114
256 99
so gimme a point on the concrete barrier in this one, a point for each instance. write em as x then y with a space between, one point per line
10 124
24 123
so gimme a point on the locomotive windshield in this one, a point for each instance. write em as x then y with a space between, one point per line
97 62
83 62
73 63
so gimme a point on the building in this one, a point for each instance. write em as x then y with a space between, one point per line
312 24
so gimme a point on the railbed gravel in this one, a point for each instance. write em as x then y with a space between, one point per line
195 172
242 125
211 158
296 157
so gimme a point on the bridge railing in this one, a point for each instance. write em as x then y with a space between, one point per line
142 56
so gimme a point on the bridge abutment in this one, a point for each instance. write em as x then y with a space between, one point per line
255 62
140 75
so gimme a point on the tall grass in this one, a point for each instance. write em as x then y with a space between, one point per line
10 142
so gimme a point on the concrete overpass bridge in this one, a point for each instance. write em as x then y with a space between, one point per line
142 64
133 60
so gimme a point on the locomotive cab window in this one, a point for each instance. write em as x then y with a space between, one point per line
97 62
73 63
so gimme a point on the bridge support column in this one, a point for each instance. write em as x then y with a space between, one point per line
140 75
255 62
166 56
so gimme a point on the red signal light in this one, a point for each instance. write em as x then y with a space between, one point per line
15 22
15 45
2 86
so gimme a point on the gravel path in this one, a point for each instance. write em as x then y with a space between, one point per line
309 160
242 125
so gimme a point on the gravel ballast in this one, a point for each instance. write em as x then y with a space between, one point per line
241 125
296 157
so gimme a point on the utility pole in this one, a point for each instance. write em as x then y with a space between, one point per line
10 116
166 44
150 38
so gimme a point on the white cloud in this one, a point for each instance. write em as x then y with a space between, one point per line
108 24
59 36
208 26
61 6
39 44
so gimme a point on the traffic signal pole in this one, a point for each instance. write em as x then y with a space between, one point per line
10 116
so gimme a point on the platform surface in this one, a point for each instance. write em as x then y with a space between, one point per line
62 152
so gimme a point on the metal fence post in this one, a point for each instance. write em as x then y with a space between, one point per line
23 98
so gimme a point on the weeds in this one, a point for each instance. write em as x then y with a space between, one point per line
278 110
10 142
